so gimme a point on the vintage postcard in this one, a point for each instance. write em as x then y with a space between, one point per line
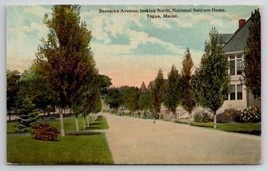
133 84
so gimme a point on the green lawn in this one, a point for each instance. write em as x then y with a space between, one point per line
247 128
91 149
11 127
100 123
81 149
69 124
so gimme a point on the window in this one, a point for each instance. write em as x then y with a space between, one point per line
232 65
232 57
239 91
239 66
232 92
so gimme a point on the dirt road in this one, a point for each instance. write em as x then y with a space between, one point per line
139 141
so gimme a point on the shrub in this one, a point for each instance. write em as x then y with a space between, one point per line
198 117
250 114
202 117
45 132
231 115
205 117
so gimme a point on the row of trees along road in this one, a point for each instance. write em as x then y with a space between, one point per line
66 61
178 90
209 85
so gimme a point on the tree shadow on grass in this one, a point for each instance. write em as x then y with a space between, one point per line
85 132
94 126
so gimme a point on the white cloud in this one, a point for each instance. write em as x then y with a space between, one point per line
114 23
37 10
22 30
161 24
38 27
137 38
189 20
97 28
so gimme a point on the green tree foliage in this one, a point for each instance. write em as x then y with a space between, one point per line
172 93
104 83
12 91
98 103
130 96
87 100
210 82
144 101
252 59
65 57
34 85
188 100
27 117
157 92
114 98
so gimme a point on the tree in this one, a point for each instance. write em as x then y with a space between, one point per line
86 99
252 59
130 96
114 98
144 101
65 58
27 117
97 107
34 85
188 100
157 93
104 83
12 91
172 91
210 82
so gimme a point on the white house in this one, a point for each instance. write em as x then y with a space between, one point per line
233 47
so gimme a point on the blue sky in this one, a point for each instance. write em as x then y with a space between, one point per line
129 47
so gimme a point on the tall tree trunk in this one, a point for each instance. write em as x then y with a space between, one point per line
94 117
76 122
189 118
214 120
84 122
62 131
88 121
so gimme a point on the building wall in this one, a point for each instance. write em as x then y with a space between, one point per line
237 103
235 58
